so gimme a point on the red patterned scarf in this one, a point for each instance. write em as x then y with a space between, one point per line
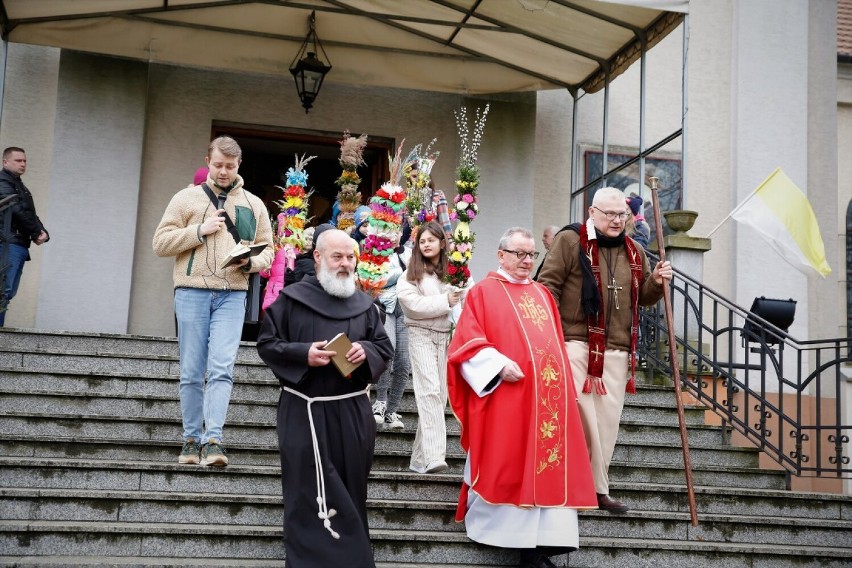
597 321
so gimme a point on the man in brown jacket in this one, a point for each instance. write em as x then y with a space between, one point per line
209 298
599 278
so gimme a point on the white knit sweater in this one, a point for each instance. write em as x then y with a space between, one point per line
425 303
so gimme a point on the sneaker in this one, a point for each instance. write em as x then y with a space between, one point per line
434 467
190 451
392 420
213 454
379 408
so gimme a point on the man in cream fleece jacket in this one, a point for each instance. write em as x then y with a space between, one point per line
210 300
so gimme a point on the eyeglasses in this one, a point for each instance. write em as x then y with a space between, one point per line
612 215
522 254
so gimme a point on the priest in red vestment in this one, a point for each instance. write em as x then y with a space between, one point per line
510 386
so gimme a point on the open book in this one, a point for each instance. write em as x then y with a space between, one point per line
241 251
341 345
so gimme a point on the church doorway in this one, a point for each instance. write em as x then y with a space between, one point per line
268 153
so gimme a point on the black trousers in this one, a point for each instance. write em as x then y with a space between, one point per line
532 554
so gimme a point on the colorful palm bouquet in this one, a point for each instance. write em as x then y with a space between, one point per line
384 227
293 217
465 202
417 170
289 228
349 198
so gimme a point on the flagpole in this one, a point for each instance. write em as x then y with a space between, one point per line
673 358
737 208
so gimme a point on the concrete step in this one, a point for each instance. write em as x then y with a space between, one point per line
142 379
652 553
223 509
31 341
90 430
128 384
117 418
118 428
136 347
146 562
67 473
394 460
150 407
146 365
239 434
423 547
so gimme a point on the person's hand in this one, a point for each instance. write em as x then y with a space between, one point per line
356 354
663 270
242 262
41 239
213 223
317 356
453 297
511 372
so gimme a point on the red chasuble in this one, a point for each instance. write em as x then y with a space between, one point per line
524 440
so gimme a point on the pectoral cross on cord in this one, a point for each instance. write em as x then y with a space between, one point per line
614 288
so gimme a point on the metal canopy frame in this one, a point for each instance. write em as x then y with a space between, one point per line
644 151
19 17
455 16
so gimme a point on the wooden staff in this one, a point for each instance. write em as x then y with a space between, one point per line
687 462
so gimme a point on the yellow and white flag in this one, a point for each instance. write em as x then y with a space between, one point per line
782 214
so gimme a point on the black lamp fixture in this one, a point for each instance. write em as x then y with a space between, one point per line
780 313
308 70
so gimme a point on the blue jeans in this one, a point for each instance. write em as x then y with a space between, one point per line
210 323
18 255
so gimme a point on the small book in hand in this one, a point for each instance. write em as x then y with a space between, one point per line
241 251
341 345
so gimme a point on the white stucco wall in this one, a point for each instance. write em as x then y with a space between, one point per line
93 192
29 108
844 185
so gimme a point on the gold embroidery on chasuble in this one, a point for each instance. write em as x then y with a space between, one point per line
533 311
550 381
547 360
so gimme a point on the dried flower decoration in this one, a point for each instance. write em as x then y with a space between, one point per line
470 147
349 198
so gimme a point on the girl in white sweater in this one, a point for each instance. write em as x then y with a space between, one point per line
427 302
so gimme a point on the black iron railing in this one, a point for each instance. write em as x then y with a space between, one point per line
5 235
784 395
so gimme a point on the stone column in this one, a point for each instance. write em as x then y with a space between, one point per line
686 253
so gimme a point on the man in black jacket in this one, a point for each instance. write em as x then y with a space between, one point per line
26 227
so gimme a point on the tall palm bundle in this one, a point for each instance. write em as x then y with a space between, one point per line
349 198
384 227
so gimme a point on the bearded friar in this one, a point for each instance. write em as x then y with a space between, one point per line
326 429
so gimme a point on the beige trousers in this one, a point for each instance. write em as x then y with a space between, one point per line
428 354
600 414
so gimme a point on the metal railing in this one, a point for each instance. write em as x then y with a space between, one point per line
783 395
5 234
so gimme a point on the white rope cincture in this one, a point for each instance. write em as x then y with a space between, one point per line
324 512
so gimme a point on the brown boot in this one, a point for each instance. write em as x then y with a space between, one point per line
607 503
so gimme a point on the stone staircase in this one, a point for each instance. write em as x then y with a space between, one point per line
90 431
